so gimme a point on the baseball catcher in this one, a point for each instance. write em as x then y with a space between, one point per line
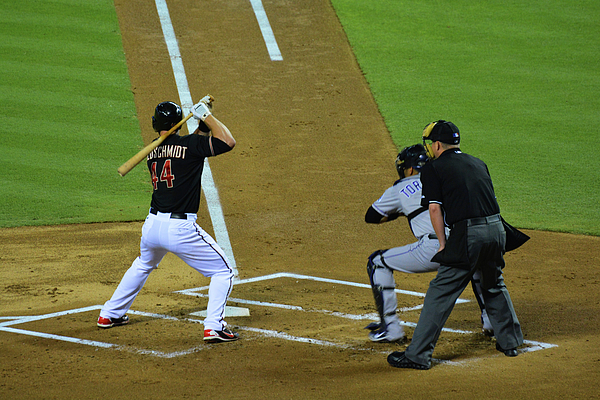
403 198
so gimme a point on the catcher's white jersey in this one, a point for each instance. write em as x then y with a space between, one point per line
405 198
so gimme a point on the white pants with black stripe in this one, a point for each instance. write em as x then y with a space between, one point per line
187 240
414 258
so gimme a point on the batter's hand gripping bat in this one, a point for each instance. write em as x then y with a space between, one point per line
135 160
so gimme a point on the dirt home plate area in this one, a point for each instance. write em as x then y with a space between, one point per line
313 153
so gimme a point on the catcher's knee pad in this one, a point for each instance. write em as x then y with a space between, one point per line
384 280
371 265
376 261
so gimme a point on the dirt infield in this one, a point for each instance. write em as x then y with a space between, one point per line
313 153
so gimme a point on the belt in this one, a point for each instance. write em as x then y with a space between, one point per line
483 220
173 215
432 236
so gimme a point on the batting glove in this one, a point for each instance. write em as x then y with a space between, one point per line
208 99
201 110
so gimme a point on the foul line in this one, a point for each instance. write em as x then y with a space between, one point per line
208 184
267 32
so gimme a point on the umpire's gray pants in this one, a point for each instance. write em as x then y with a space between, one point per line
449 283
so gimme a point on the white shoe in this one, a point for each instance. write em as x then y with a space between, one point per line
382 336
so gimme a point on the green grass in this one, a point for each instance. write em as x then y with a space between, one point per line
68 117
519 78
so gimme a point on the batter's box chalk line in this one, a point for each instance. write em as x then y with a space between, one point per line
370 316
10 321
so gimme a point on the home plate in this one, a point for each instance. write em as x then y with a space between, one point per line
229 312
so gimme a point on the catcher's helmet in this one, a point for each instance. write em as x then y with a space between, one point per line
413 156
166 115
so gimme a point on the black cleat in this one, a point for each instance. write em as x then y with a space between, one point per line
398 359
508 352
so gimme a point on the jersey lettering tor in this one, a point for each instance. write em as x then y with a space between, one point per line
404 198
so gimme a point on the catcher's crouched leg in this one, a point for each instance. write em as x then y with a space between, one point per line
381 277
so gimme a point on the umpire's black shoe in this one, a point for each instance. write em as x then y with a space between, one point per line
509 352
398 359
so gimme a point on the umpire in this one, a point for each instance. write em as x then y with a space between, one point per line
458 190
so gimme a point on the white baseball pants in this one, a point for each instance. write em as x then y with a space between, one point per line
187 240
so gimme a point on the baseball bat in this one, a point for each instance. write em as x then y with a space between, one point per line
135 160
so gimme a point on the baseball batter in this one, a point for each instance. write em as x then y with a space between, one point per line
403 198
175 171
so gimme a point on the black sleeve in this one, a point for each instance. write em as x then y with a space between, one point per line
431 186
219 146
374 217
202 126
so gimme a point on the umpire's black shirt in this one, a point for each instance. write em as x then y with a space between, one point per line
461 184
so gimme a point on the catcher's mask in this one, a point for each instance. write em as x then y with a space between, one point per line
440 131
414 156
166 115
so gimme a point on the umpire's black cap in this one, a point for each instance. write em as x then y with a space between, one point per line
442 131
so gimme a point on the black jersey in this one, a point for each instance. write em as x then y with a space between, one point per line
176 171
461 184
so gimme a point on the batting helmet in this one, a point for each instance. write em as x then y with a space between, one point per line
166 115
413 156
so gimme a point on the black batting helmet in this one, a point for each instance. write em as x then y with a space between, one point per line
413 156
166 115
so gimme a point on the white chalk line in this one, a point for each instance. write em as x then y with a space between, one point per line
20 320
192 291
15 320
265 29
5 326
356 317
533 346
155 353
369 316
208 185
